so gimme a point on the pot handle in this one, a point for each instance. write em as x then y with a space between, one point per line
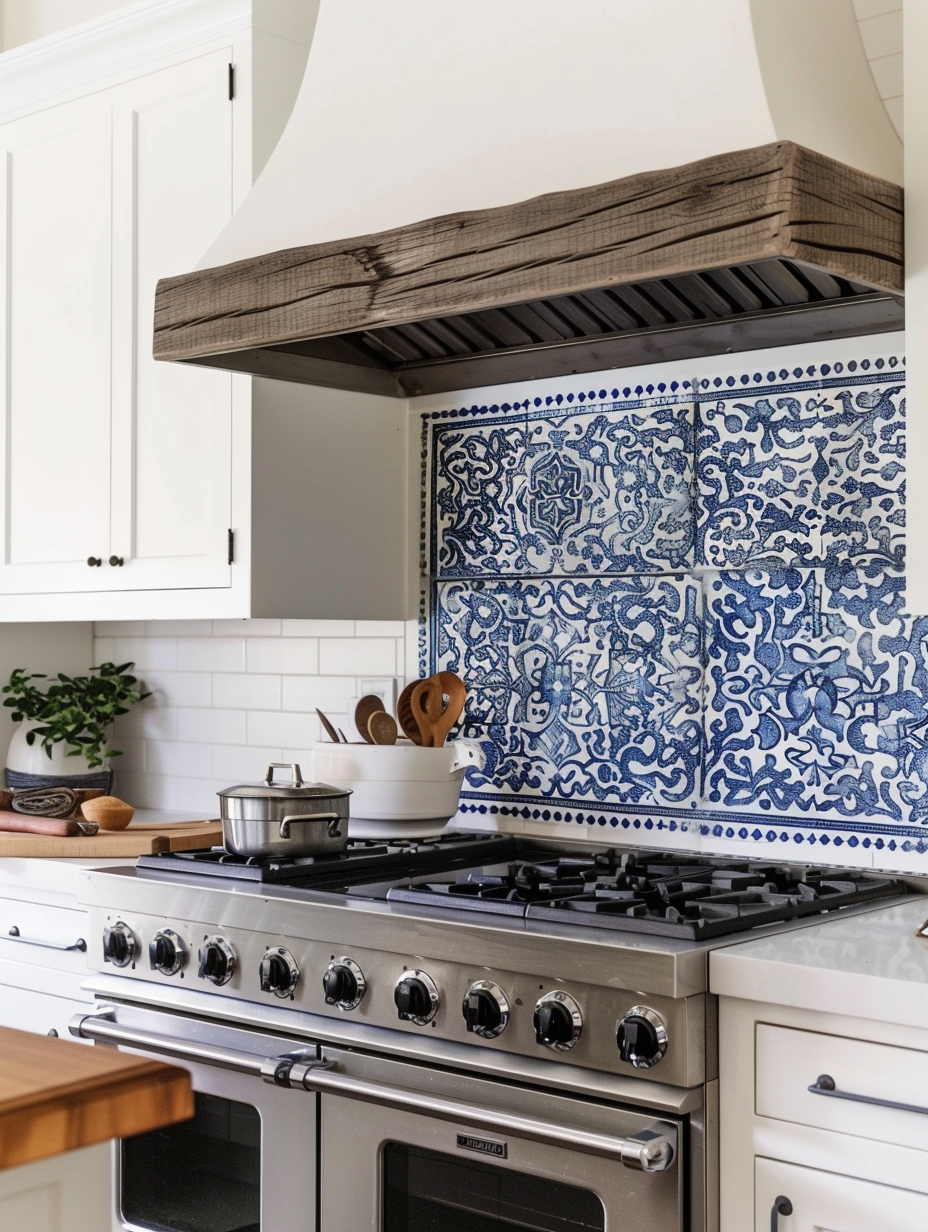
296 778
332 818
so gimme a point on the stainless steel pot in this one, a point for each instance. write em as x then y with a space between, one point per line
284 819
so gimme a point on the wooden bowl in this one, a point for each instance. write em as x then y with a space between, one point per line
109 812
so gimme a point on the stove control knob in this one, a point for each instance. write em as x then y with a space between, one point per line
641 1037
167 952
279 972
416 998
344 984
217 961
120 944
558 1021
485 1009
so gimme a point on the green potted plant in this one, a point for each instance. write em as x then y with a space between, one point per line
69 719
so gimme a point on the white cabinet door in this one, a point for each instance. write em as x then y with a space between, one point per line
55 231
825 1202
67 1193
172 424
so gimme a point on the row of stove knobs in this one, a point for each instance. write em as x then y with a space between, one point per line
641 1034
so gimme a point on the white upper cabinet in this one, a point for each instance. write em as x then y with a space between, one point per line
133 489
172 425
55 345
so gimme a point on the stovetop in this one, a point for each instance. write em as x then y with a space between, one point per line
671 895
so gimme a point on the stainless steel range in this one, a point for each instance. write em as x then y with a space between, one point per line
477 1032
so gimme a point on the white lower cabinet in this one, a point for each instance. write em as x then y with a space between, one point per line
825 1202
68 1193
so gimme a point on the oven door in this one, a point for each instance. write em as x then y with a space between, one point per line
410 1148
246 1162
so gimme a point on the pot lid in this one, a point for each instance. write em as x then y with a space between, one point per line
296 789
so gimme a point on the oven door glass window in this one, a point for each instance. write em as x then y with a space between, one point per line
427 1191
203 1175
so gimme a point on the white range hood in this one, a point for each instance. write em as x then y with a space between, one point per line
416 109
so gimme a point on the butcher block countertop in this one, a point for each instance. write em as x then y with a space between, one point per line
56 1096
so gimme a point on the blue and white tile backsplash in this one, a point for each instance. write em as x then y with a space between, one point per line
679 605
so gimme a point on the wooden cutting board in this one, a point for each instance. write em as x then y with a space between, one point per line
141 840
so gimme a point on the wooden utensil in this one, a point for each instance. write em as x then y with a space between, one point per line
455 690
54 827
368 705
426 701
329 729
404 714
382 728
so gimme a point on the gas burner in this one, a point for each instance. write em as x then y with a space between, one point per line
363 860
660 894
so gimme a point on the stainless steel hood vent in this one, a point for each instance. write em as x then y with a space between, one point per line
754 248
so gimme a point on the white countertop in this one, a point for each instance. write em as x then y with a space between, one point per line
870 965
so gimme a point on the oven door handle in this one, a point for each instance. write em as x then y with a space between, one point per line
651 1150
102 1026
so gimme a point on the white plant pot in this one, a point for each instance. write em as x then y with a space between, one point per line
25 758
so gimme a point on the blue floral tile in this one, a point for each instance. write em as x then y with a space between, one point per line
587 692
816 695
802 468
588 490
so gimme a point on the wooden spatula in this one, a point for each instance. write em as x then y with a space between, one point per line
426 701
404 714
454 688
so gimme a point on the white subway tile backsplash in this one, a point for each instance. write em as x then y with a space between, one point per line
157 653
318 628
150 791
284 728
148 720
199 795
246 691
368 656
290 655
122 628
222 654
172 757
207 726
322 692
246 628
379 628
104 648
179 688
177 628
244 763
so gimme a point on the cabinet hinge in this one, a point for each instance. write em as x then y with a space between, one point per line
231 82
231 546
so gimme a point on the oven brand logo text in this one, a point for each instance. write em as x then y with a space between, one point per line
483 1145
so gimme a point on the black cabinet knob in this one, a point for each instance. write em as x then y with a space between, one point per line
94 561
116 561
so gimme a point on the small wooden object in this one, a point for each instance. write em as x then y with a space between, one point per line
426 702
382 728
109 812
454 688
329 729
368 705
404 714
57 1096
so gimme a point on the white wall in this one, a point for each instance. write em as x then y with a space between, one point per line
49 648
230 696
21 21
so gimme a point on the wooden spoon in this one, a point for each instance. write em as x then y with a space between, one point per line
407 719
369 704
426 701
329 729
382 728
454 688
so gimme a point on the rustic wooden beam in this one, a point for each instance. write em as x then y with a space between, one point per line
775 201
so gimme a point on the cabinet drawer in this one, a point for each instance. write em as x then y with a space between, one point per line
823 1200
790 1061
38 1012
44 935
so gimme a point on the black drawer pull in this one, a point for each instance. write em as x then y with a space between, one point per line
825 1085
781 1206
